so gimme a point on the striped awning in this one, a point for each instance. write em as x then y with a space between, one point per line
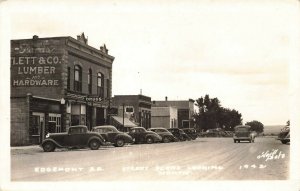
127 122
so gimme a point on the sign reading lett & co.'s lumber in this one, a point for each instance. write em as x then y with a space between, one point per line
35 67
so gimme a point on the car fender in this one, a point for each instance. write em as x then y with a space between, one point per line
97 138
154 137
53 141
124 137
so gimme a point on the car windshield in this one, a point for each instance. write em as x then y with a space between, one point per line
242 129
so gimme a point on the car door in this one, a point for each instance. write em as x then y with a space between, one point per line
103 133
143 133
133 134
77 136
111 134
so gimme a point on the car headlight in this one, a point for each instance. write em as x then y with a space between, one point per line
47 136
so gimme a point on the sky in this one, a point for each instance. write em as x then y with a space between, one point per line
237 51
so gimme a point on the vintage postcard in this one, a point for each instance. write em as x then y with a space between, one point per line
150 95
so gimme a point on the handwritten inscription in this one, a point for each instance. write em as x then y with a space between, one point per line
271 155
253 166
67 169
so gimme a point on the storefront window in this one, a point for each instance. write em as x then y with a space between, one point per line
75 115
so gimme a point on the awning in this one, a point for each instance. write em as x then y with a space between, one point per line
127 122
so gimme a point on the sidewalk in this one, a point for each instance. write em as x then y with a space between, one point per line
25 149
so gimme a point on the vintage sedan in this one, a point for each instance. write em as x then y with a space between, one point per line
112 135
284 135
77 137
191 132
179 134
243 133
164 133
141 135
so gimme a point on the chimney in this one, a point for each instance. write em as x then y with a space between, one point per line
166 98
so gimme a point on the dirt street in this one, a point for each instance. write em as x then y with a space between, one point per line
200 159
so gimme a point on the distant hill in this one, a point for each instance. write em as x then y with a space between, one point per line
272 129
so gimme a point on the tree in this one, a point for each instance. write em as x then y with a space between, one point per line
212 115
256 126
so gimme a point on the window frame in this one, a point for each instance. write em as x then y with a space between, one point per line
77 83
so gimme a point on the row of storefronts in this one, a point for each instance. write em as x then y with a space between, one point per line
58 82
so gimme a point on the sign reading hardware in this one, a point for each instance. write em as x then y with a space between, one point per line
35 70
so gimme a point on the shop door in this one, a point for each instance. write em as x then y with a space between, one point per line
55 121
39 125
100 120
89 117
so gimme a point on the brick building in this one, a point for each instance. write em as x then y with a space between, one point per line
185 110
57 82
136 107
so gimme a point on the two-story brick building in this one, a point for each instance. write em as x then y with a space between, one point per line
135 107
57 82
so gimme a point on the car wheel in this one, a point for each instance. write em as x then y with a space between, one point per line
284 141
234 141
120 142
94 144
166 139
238 141
48 147
149 140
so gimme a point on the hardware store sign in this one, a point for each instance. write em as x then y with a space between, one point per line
38 70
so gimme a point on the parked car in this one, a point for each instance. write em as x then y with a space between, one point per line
191 132
243 133
141 135
179 134
76 137
112 135
284 135
212 133
164 133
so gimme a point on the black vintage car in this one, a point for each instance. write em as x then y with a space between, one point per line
191 132
76 137
164 133
112 135
141 135
179 134
243 133
284 135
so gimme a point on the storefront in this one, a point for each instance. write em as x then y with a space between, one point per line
57 82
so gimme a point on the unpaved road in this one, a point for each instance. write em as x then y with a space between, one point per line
200 159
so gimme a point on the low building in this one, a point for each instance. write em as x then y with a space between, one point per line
135 107
57 82
185 110
164 117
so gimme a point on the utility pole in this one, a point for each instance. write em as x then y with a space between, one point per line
123 117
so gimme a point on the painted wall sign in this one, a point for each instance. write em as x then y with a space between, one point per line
35 70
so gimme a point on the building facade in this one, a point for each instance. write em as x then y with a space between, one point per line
135 107
55 83
185 110
166 117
